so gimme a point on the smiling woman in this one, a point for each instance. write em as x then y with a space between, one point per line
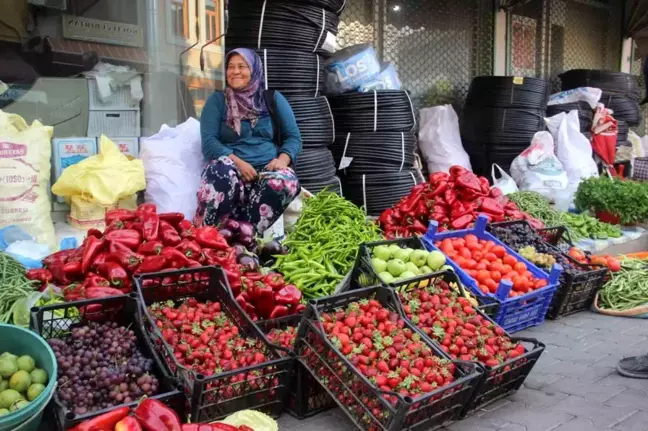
250 138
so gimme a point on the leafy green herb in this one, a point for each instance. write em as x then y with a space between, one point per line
627 200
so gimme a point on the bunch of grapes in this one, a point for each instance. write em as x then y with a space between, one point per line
101 367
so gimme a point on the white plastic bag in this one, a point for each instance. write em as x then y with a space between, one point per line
537 169
582 94
573 149
173 162
505 183
440 139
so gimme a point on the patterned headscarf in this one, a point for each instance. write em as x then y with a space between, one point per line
247 103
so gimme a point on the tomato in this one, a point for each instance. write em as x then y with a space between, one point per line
473 273
483 275
509 260
491 257
482 265
613 265
496 275
520 267
471 239
506 269
477 254
492 285
540 283
496 266
499 251
464 252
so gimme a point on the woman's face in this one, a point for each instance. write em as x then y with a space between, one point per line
238 72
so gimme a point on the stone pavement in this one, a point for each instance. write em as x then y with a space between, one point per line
573 387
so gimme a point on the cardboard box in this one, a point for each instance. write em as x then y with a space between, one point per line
127 146
70 151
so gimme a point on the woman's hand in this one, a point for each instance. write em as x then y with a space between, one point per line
248 173
279 163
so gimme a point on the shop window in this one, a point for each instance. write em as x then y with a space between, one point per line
179 17
212 19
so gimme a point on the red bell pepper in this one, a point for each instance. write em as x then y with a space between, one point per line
288 295
95 233
462 222
126 258
43 276
92 248
485 185
457 170
418 227
279 311
145 208
114 273
152 264
469 181
208 236
116 246
129 423
175 256
170 238
95 292
439 189
58 257
387 218
407 206
128 237
115 226
189 248
72 268
150 248
58 274
98 261
173 218
119 214
150 226
491 206
186 229
437 177
104 422
95 280
155 416
275 281
450 197
299 308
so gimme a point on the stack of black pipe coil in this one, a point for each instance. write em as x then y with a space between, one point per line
501 115
585 113
374 147
621 94
291 37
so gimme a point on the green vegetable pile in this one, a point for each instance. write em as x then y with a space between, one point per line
626 289
579 225
324 244
14 286
625 199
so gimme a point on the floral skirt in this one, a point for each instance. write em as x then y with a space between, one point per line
224 194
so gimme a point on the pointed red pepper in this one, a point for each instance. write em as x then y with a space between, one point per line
145 208
173 218
170 238
275 281
155 416
150 226
150 248
126 258
42 275
189 248
175 257
288 295
208 236
279 311
128 237
119 214
114 273
152 264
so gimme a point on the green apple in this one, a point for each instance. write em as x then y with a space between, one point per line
403 254
379 265
396 267
411 267
425 270
382 252
386 277
446 268
407 274
419 257
393 248
436 260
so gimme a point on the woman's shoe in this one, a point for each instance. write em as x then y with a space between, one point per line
635 367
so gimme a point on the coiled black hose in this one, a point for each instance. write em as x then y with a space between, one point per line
376 111
504 125
334 185
623 130
315 165
335 6
610 82
508 92
258 24
293 73
377 192
585 113
624 108
314 119
365 153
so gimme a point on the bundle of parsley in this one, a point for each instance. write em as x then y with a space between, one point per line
625 199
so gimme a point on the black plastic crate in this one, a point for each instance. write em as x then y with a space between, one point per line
577 287
369 407
121 309
497 382
306 397
558 236
262 387
364 274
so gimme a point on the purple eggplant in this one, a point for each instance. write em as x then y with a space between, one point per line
248 261
239 249
231 224
227 234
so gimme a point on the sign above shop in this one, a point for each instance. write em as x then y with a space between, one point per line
94 30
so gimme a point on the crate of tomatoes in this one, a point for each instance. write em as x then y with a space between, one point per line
381 372
448 320
579 281
205 338
486 265
402 261
306 397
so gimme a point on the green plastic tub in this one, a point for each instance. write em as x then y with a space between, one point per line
21 341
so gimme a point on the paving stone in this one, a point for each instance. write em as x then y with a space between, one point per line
578 355
634 398
533 420
601 415
537 399
578 424
636 422
641 330
539 381
478 423
581 372
608 361
617 379
589 391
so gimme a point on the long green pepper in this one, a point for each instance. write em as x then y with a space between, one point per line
324 244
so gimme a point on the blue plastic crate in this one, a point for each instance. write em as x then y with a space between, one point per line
515 314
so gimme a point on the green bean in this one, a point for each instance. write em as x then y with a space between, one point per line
13 285
626 289
324 243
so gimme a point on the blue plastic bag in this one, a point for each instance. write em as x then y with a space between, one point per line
350 68
385 80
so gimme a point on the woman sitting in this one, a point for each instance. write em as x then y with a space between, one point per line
247 177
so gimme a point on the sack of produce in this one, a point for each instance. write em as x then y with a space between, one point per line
440 139
173 162
572 148
25 153
538 169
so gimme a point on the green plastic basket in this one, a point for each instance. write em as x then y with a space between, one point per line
21 341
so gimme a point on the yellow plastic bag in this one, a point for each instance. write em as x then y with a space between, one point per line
105 178
256 420
25 153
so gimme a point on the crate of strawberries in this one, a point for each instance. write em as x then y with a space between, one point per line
448 320
104 359
377 367
486 265
579 281
204 337
306 397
